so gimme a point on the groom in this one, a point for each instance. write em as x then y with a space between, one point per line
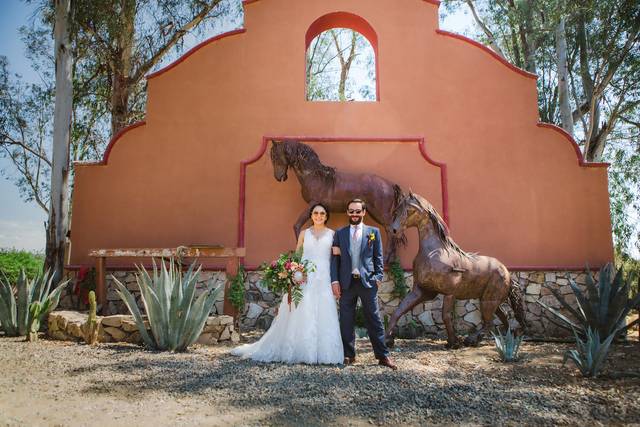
355 273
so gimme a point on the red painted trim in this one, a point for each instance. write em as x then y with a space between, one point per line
575 146
434 2
489 51
263 149
193 50
107 152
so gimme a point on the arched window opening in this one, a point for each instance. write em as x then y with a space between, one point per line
341 66
342 59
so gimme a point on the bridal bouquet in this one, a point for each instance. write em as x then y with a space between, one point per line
287 274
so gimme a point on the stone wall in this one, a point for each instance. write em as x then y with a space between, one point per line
69 326
426 318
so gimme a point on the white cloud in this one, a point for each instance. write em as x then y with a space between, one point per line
28 235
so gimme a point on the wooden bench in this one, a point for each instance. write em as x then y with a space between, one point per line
232 255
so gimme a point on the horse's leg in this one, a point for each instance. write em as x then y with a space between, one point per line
494 294
413 298
447 308
304 217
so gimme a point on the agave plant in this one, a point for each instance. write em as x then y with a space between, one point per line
591 353
507 345
603 308
176 317
35 299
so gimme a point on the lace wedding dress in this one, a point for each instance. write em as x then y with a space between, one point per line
308 333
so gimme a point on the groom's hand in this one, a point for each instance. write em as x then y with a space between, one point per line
335 288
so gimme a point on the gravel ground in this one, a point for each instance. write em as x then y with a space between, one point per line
60 383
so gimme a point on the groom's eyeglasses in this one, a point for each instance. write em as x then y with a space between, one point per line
354 211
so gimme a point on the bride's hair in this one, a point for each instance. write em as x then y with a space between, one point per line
323 207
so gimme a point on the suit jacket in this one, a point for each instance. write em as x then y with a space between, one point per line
371 260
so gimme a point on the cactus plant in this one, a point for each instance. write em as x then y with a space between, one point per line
507 345
175 316
591 353
603 308
35 299
90 328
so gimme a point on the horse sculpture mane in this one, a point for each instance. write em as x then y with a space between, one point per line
304 157
439 226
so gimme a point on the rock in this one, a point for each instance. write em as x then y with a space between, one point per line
536 277
394 302
235 337
213 321
426 319
385 288
253 311
550 277
226 320
129 325
114 321
474 317
534 289
134 338
207 339
462 310
225 335
116 333
562 282
75 329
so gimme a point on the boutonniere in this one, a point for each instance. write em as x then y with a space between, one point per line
371 237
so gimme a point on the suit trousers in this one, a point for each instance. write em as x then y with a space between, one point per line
375 328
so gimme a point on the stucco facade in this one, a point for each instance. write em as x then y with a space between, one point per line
452 122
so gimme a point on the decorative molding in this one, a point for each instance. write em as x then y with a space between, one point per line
575 146
193 50
489 51
107 152
263 149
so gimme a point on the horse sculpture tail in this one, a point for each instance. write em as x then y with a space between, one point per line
398 195
517 303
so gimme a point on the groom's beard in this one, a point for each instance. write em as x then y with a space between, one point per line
355 221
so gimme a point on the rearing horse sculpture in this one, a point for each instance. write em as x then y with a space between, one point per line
441 267
334 188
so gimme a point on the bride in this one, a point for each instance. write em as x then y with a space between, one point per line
308 333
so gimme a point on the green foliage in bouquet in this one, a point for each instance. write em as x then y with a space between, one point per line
35 299
591 353
287 274
603 308
176 317
507 345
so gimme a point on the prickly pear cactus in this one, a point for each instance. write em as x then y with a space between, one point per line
91 327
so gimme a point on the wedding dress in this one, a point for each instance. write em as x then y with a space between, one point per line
310 332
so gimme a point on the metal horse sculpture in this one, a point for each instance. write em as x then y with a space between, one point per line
441 267
333 188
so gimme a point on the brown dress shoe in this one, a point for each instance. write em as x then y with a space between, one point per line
349 360
385 361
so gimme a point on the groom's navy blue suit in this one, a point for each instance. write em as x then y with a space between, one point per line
364 287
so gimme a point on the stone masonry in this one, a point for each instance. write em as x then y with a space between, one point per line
69 326
425 319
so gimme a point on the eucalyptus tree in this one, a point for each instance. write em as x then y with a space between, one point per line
587 58
113 45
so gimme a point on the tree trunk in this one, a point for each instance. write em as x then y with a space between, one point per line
58 224
563 78
121 68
